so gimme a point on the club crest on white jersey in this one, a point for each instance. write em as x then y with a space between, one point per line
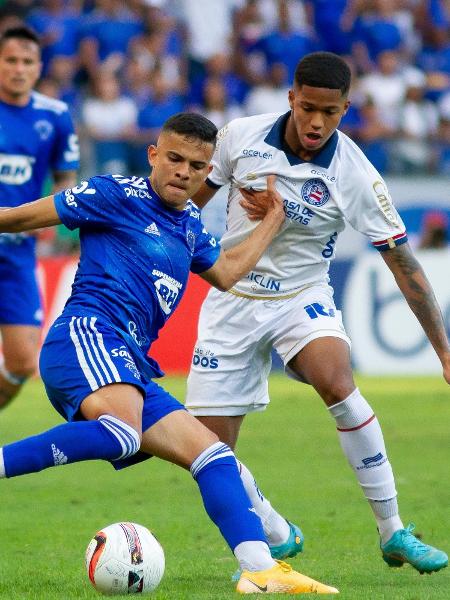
315 192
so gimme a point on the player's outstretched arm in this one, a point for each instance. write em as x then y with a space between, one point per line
234 263
419 294
33 215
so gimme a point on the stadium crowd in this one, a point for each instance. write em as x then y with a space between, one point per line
125 67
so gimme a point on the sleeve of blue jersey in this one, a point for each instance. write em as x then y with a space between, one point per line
206 253
93 203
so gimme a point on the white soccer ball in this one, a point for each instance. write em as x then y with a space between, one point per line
124 558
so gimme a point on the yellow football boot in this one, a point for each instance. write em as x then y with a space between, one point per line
280 579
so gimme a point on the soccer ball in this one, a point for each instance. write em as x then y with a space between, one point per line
124 558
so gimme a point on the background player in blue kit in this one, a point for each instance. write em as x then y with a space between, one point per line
139 240
36 136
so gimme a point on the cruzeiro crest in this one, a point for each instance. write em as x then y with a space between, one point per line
315 192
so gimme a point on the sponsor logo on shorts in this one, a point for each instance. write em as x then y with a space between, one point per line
205 359
316 310
315 192
135 334
129 363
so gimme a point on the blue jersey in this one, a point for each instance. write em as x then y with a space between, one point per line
34 139
136 254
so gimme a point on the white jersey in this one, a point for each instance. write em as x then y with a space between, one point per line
340 186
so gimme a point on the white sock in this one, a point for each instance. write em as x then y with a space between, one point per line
2 464
254 556
276 528
363 444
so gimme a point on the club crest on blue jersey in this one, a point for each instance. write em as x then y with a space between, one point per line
315 192
190 237
44 129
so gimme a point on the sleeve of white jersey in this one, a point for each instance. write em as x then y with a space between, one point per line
367 205
222 171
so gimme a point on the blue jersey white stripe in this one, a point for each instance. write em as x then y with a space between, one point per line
92 356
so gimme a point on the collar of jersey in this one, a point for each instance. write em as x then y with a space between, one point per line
275 138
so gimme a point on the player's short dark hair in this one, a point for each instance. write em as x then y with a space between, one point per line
193 125
325 70
20 32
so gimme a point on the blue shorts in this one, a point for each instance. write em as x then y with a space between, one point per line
81 355
20 302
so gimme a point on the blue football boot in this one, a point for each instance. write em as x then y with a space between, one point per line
404 547
292 546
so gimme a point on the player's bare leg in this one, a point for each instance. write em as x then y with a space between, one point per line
325 364
20 348
285 539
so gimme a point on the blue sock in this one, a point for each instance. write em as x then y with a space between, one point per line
108 438
224 497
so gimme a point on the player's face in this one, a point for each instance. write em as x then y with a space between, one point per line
20 67
316 113
180 164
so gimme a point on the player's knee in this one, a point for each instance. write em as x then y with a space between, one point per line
21 365
17 374
128 439
335 390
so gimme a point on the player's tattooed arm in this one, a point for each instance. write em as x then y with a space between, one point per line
417 290
30 216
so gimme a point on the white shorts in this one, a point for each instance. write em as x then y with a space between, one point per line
232 355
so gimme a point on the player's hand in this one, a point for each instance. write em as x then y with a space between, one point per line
446 367
257 203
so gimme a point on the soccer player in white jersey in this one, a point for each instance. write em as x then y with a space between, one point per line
286 302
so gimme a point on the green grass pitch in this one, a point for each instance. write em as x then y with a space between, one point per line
47 519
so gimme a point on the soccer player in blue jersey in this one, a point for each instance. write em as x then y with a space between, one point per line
286 303
36 137
139 239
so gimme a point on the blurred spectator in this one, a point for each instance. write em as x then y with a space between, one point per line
218 66
285 44
137 82
160 46
418 125
378 31
57 24
106 33
209 29
333 23
216 106
271 96
373 135
434 230
386 87
62 70
444 135
109 119
162 103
